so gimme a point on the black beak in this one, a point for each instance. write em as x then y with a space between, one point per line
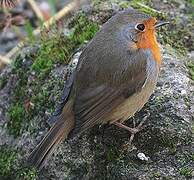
161 24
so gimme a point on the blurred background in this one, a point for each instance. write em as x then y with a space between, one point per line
27 15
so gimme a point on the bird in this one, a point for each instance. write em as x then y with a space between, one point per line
116 74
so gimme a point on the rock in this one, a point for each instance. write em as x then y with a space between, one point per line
142 157
104 151
167 138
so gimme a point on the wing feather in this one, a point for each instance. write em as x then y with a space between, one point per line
96 99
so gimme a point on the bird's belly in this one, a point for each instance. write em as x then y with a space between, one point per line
132 104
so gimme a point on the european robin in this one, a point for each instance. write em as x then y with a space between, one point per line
115 76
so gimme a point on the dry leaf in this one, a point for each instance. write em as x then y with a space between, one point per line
8 3
18 20
8 21
28 105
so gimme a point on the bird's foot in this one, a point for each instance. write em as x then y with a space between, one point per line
134 130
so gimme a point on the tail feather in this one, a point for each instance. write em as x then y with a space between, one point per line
56 134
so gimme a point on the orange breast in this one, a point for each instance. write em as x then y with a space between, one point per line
147 39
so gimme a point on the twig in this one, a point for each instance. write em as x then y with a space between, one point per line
66 10
4 60
63 12
36 9
148 8
13 51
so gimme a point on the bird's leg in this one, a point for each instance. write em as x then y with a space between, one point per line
134 130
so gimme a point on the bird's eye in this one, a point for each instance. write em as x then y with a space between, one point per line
140 27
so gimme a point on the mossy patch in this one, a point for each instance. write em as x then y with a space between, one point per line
191 70
185 171
26 174
17 116
144 8
174 38
191 2
3 82
53 49
16 112
156 175
154 140
112 154
87 28
59 48
7 159
11 169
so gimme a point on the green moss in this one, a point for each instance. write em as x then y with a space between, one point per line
124 4
186 171
7 159
191 70
3 82
41 97
20 116
11 169
16 112
17 116
191 2
26 174
21 72
84 29
42 65
58 48
142 7
174 38
29 29
192 156
53 49
154 140
35 91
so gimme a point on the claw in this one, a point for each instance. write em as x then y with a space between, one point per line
134 130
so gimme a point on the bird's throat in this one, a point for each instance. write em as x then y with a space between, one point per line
148 40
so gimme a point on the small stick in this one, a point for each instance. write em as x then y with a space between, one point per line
148 8
66 10
36 9
4 60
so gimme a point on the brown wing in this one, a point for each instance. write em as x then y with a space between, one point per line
91 107
98 94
